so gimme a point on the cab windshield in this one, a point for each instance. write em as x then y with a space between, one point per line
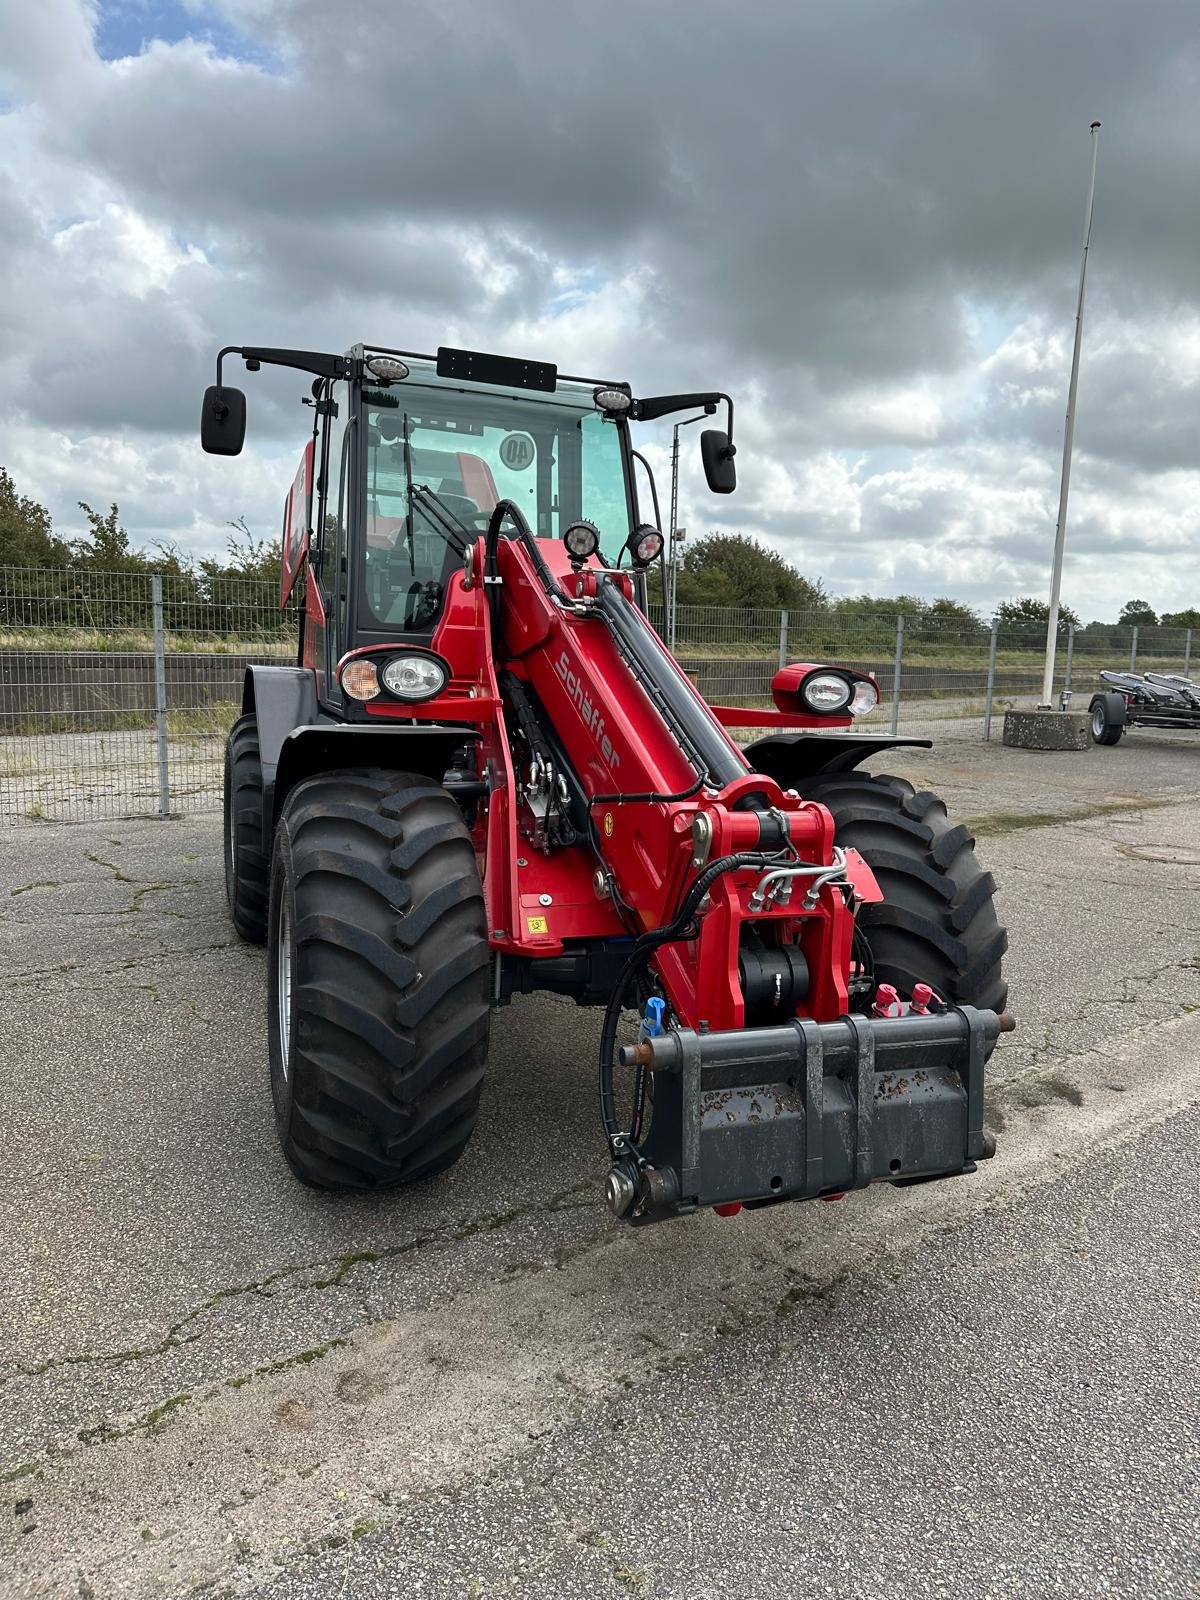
555 456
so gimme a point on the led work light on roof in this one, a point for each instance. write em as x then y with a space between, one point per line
613 402
645 544
826 691
582 540
387 369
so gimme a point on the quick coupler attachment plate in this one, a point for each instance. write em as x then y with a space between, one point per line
760 1115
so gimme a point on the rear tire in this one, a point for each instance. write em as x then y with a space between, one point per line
379 1004
937 922
247 869
1104 729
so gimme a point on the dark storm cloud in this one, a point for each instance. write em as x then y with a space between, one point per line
816 185
814 205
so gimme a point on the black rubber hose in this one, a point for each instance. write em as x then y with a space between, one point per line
643 949
510 509
630 799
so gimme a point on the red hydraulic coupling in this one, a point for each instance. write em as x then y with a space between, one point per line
887 1002
921 996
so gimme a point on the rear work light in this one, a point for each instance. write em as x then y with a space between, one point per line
415 677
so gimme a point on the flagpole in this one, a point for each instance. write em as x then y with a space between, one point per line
1060 532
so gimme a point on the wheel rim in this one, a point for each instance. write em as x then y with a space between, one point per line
1098 721
283 981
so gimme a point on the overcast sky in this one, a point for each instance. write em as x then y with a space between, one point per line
862 217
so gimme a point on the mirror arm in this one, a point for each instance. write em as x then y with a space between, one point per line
661 405
316 361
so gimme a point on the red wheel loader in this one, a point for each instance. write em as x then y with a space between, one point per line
486 775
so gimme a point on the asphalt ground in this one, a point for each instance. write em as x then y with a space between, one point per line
215 1381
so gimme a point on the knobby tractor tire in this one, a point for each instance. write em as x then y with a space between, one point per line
937 922
247 867
378 980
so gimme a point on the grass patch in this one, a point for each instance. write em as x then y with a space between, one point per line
211 721
140 641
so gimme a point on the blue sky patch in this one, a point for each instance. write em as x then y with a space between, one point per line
127 27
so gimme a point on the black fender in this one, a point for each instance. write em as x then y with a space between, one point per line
789 758
1116 708
427 749
280 699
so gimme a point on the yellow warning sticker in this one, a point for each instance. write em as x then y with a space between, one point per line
608 824
536 924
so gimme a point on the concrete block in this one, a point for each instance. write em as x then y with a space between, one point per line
1047 730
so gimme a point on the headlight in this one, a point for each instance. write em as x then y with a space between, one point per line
826 691
360 680
645 545
414 677
582 540
865 698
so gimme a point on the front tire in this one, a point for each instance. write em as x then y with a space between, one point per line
377 980
937 922
247 869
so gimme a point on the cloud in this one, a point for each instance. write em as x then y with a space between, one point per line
863 220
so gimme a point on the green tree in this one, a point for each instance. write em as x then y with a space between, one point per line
952 614
1181 619
250 556
729 569
1137 614
1030 612
27 538
105 547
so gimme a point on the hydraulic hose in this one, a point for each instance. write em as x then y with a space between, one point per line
510 509
618 1142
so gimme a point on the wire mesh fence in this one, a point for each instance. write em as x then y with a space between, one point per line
117 688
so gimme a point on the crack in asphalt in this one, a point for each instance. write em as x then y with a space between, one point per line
337 1268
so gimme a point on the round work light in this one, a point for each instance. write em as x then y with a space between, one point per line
582 540
645 544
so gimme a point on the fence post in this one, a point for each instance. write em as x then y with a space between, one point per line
1187 653
896 672
783 638
991 680
160 696
1070 655
1133 650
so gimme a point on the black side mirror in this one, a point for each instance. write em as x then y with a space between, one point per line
717 454
223 421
